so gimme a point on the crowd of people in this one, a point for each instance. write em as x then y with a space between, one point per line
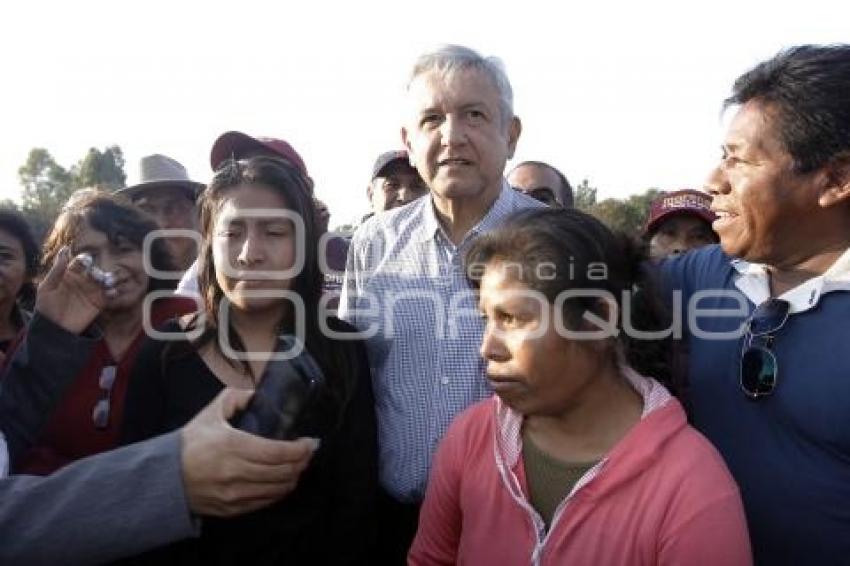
506 380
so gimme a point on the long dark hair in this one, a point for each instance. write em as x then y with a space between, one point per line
14 223
575 246
280 176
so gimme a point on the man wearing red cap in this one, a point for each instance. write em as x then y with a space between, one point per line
678 222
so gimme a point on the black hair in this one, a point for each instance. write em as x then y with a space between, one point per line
574 244
806 90
14 223
335 358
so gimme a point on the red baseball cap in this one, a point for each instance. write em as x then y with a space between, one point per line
685 201
240 146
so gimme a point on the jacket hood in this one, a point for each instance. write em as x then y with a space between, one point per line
662 419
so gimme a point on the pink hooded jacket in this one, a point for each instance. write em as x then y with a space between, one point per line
661 496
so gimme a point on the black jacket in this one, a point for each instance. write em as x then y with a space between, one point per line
328 519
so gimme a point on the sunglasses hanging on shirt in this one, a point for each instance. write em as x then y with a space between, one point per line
759 368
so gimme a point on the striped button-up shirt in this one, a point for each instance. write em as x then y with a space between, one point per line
405 289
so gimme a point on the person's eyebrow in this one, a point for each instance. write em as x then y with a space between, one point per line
474 106
430 110
731 147
233 220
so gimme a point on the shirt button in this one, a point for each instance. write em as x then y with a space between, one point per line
444 380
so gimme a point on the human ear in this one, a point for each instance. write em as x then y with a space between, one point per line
836 183
514 130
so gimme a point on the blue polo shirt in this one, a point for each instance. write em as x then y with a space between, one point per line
789 451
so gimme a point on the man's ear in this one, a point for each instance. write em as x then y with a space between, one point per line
369 192
406 141
514 130
836 186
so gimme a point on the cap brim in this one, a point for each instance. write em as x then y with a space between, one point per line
380 170
191 187
702 214
231 144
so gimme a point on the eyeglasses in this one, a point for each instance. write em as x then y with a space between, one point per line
759 368
543 194
100 413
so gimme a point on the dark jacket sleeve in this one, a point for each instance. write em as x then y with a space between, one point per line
98 509
37 375
353 523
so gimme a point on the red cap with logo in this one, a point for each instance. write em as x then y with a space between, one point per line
686 201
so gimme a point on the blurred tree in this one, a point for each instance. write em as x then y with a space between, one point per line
46 185
585 196
629 215
101 169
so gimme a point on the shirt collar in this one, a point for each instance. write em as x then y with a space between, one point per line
501 208
753 281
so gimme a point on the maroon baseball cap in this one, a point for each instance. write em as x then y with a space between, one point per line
387 158
686 201
240 146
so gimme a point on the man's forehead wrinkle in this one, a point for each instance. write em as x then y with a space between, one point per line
435 92
757 132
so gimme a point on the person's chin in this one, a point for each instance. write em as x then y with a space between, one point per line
460 189
510 391
247 303
515 402
122 302
734 247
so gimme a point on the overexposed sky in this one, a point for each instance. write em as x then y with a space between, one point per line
627 96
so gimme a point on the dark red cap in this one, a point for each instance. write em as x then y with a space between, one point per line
686 201
240 146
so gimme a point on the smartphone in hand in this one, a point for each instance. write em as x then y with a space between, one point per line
284 394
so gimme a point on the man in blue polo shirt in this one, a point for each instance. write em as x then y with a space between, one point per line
769 369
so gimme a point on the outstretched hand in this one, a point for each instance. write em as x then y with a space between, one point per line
229 472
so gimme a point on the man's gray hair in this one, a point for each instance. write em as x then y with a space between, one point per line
448 59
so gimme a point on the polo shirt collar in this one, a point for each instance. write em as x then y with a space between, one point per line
501 208
753 281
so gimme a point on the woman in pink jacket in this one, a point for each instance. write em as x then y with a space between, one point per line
578 458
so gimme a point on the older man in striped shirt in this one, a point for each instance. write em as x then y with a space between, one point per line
405 288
